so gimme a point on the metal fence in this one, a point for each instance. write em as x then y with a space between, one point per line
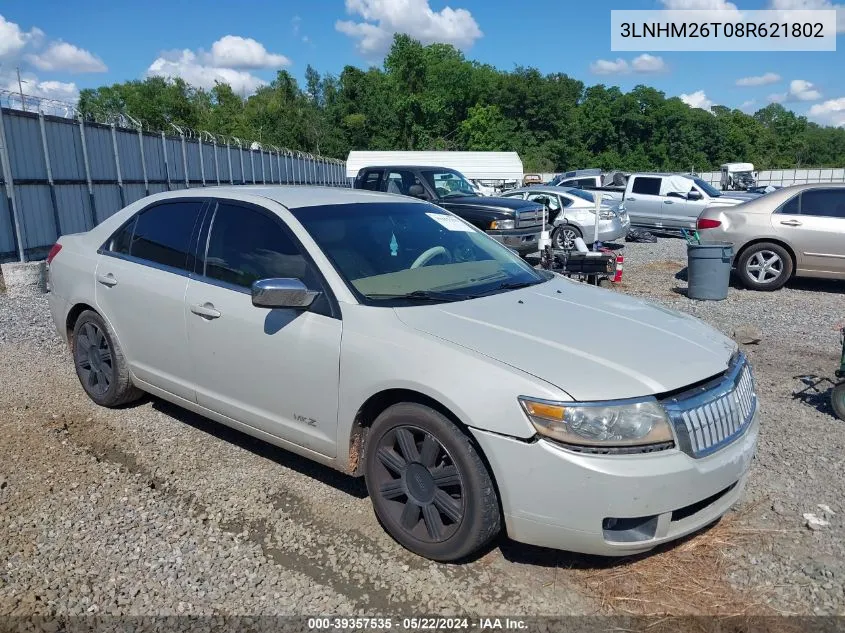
63 175
786 177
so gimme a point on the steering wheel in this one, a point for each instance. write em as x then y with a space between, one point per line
427 256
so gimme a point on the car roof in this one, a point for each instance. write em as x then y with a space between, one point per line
296 196
407 167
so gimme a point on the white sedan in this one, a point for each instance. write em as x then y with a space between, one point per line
388 338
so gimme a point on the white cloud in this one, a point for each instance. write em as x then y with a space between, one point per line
33 87
233 51
61 56
812 4
646 63
748 105
759 80
13 39
187 65
801 90
697 100
384 18
831 112
607 67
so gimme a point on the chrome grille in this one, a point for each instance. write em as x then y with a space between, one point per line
716 414
529 218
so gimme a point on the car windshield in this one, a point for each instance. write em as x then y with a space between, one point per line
403 253
707 188
580 193
449 184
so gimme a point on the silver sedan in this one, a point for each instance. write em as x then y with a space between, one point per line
796 231
573 215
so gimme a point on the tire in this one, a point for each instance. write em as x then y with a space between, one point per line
444 521
764 266
563 237
837 400
100 365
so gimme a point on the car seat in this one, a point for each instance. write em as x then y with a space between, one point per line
333 239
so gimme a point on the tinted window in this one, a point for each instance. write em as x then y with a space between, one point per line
246 245
586 182
163 233
371 180
792 207
823 202
122 240
401 181
647 186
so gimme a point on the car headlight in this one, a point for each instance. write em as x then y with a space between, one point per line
502 224
600 424
607 214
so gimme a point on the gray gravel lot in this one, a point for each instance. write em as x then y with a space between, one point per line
150 509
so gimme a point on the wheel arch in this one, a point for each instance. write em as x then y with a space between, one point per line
379 402
73 316
767 240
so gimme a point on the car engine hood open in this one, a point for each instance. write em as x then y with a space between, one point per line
592 343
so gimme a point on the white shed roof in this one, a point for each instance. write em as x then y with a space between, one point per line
476 165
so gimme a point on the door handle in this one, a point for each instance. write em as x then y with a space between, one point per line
206 310
668 202
107 280
790 222
631 199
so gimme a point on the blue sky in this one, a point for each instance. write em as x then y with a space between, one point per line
63 47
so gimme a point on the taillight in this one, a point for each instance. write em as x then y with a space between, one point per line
707 223
53 252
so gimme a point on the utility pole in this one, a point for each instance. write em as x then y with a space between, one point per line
20 89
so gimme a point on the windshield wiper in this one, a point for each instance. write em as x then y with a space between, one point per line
512 285
422 295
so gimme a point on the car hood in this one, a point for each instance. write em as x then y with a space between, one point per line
592 343
508 204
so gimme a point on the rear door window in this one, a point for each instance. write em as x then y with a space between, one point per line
162 234
828 203
792 206
646 185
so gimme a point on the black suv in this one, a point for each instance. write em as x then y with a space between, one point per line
515 223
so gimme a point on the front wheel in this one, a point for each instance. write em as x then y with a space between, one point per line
837 400
429 487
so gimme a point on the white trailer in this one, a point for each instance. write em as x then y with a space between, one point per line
486 168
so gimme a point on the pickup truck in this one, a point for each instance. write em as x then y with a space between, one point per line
671 201
515 223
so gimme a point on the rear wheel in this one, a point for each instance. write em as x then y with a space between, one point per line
429 488
564 236
100 364
837 399
764 266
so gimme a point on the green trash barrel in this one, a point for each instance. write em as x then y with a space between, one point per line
709 270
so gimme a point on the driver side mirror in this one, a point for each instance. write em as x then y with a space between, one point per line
282 293
694 195
417 191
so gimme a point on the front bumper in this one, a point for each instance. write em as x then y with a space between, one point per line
522 241
553 497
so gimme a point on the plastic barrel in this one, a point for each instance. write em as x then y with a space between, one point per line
709 270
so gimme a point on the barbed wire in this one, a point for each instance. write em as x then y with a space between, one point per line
14 100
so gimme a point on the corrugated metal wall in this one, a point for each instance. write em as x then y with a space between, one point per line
62 176
786 177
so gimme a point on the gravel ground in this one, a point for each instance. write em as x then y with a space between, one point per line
150 509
